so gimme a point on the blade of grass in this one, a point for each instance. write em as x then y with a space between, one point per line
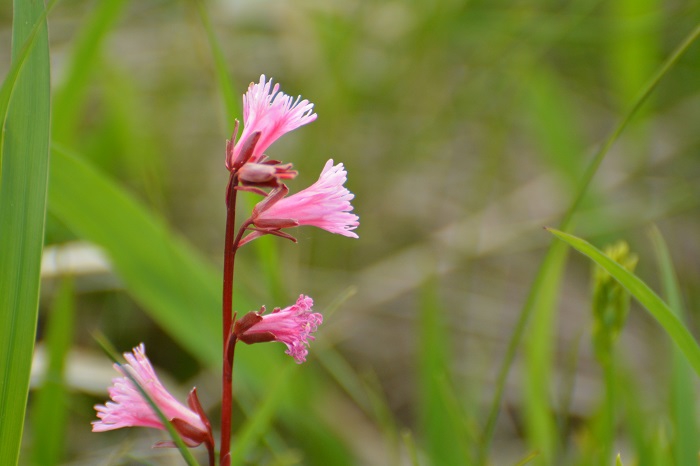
24 142
642 293
685 444
407 437
230 100
527 459
259 421
82 62
163 273
539 350
565 224
179 443
49 408
442 440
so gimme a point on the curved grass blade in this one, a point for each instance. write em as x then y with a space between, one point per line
24 159
163 273
565 224
642 293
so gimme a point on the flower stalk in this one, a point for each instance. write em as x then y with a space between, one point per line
268 114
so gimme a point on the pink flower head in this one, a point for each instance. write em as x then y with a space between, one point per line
129 409
325 204
292 326
271 113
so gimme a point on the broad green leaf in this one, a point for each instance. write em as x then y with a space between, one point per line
161 271
642 293
24 142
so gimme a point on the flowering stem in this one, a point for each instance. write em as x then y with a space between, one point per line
227 319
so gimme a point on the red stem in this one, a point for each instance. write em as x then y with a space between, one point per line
227 318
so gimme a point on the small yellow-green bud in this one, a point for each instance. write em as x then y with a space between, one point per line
610 301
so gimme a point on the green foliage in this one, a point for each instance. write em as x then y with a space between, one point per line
24 159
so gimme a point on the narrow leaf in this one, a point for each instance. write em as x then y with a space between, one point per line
642 293
686 444
50 408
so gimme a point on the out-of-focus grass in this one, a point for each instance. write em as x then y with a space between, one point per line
465 127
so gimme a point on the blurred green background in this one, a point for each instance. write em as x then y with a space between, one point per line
465 127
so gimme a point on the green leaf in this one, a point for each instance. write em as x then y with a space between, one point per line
230 100
539 351
176 286
443 442
258 423
49 408
82 62
642 293
24 142
686 444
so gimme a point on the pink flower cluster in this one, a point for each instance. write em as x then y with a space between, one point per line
326 204
268 114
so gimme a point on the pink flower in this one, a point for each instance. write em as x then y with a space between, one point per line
325 204
129 409
292 326
271 113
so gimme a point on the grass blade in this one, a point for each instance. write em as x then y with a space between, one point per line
442 441
49 408
642 293
163 273
24 142
539 352
230 100
686 443
82 62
